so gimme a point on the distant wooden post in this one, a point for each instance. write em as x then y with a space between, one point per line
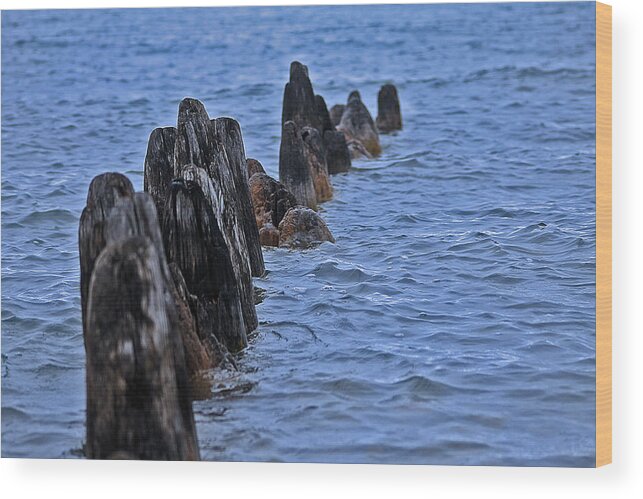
299 103
254 166
357 124
271 200
294 170
281 201
389 117
137 405
316 158
336 113
338 157
323 115
104 191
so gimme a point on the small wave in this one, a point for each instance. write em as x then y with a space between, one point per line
56 216
349 387
423 386
511 71
503 279
407 163
139 102
333 272
463 445
10 414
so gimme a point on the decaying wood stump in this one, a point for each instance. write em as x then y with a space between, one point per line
230 155
220 194
316 158
389 117
215 147
271 201
262 187
104 191
303 228
338 156
203 342
307 110
299 103
194 242
201 352
294 171
281 200
254 166
336 113
194 141
159 165
323 115
357 124
137 216
137 405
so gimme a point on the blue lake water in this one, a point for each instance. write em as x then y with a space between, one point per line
453 321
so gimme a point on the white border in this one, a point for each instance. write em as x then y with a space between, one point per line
66 478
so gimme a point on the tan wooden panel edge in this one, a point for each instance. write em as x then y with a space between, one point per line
603 234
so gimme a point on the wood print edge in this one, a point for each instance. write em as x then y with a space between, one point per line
603 234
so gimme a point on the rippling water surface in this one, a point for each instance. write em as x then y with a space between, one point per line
453 321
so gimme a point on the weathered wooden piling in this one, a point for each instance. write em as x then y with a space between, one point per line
294 171
336 113
357 124
254 166
104 191
230 155
137 403
194 140
316 158
137 216
203 350
299 103
194 242
217 147
338 156
159 165
271 201
389 117
220 194
323 115
281 201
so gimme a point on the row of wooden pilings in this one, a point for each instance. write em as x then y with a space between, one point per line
316 144
166 274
